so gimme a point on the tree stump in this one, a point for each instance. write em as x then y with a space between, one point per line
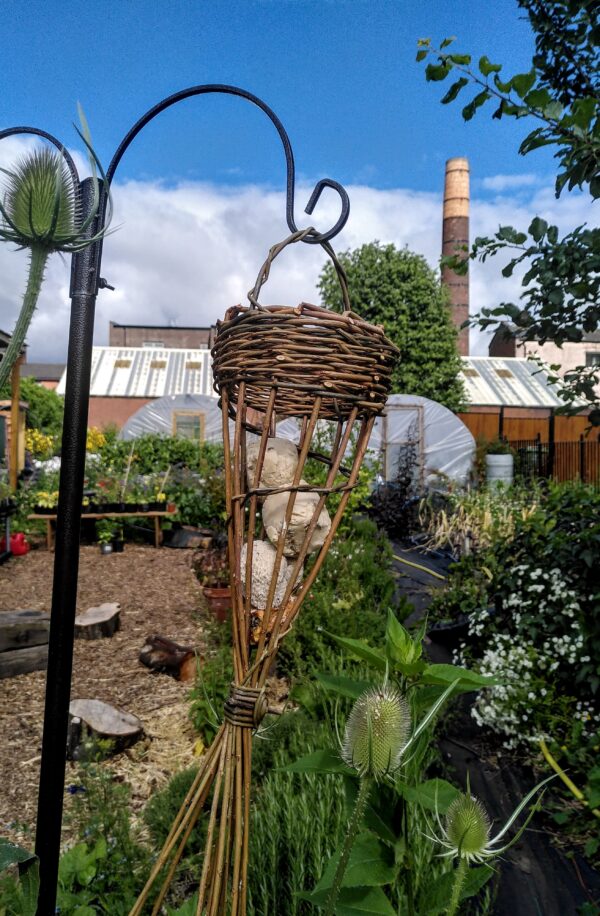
98 622
23 642
94 720
164 655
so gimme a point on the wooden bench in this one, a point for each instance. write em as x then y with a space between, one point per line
157 514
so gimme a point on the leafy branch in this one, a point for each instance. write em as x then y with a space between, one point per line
575 127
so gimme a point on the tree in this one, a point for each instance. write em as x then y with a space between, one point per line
46 408
399 290
560 94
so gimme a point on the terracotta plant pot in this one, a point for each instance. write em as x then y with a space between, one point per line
218 601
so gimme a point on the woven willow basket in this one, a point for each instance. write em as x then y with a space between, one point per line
303 351
269 364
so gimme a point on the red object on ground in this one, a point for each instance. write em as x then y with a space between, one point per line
18 544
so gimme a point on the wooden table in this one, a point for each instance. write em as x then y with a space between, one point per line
155 514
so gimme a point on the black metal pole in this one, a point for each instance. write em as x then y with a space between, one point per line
551 441
582 471
66 564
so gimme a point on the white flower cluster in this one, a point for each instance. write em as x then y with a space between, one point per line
521 663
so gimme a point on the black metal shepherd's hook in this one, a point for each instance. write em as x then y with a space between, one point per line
85 282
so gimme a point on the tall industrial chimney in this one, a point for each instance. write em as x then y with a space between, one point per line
455 234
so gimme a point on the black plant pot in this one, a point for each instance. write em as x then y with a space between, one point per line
118 545
450 634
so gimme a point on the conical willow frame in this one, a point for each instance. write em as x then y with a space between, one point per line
327 370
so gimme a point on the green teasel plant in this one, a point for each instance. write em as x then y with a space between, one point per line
466 835
385 864
41 210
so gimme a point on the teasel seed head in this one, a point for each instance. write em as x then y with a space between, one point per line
377 731
467 827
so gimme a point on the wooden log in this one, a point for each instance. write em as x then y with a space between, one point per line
94 720
164 655
19 629
98 622
22 661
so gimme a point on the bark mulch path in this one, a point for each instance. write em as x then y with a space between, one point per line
158 593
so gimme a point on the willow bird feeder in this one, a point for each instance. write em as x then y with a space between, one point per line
270 363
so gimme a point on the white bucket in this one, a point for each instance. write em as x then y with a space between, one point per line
499 469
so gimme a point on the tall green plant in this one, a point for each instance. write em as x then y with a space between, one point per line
41 210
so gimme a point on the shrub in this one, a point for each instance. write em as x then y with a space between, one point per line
533 605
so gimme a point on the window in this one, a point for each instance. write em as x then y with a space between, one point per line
504 373
592 359
188 424
470 373
122 363
158 364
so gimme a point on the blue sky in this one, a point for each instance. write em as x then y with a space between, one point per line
199 197
341 75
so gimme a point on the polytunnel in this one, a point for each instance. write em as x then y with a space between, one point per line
417 431
193 416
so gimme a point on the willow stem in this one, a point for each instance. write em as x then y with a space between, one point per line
353 825
459 880
37 265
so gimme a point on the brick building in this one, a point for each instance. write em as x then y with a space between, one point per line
585 352
162 336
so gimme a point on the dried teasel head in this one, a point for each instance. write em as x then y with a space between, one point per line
377 732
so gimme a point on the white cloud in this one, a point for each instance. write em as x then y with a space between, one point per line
184 254
506 182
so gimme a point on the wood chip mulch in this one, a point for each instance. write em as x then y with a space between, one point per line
158 593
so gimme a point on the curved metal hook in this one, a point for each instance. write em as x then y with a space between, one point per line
10 131
312 239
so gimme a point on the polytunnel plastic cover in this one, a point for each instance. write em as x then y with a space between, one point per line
163 415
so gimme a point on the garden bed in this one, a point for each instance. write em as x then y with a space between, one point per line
168 602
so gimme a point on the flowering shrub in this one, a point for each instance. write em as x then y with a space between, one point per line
534 660
95 439
531 598
38 443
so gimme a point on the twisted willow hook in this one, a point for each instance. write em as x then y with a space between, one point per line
11 131
314 238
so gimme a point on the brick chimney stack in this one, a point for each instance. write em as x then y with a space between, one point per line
455 233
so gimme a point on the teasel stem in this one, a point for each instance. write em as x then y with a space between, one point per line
459 880
360 804
408 860
37 266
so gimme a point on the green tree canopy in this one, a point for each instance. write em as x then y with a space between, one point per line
398 289
46 408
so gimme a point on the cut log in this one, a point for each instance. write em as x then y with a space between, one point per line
19 629
22 661
94 720
164 655
98 622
